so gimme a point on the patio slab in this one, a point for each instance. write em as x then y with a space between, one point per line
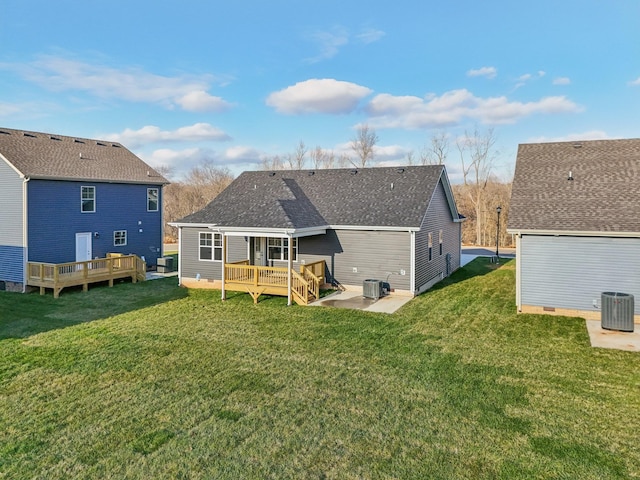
601 338
354 300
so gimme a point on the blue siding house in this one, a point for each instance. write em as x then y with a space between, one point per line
65 199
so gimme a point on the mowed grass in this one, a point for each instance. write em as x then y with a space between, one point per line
155 381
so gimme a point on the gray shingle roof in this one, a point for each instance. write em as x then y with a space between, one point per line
604 195
44 155
385 197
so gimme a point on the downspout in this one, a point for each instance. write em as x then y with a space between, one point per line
180 256
412 269
290 267
518 272
224 263
25 233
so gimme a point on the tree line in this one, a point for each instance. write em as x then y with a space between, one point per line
477 197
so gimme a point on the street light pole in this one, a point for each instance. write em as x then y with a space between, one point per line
498 209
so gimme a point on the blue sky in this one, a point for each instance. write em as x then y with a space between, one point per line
180 83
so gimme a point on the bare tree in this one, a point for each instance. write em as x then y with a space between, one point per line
410 159
476 157
435 153
272 163
201 185
363 144
299 156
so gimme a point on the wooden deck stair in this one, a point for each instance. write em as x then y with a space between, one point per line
254 280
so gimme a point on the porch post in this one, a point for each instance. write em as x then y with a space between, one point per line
289 267
224 262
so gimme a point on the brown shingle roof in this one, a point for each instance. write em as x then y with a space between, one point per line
604 195
44 155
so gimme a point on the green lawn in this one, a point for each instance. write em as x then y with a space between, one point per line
153 381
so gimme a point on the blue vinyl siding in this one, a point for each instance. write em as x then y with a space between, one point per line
11 264
54 218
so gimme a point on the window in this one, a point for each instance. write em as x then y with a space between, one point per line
440 241
119 238
430 246
88 204
210 246
278 249
152 199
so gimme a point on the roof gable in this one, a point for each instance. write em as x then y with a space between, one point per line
586 186
48 156
395 197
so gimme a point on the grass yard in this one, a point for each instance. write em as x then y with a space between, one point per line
154 381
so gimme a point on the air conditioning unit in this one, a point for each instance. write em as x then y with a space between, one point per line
617 311
372 288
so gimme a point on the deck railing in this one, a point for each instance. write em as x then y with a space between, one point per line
257 280
60 275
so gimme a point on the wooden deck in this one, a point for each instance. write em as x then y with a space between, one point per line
256 281
60 275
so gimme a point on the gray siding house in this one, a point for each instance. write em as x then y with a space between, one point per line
395 224
575 212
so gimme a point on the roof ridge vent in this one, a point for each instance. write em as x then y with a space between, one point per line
77 140
271 174
400 170
2 132
354 171
30 135
55 138
101 144
577 145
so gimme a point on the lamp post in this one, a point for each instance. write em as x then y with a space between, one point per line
498 209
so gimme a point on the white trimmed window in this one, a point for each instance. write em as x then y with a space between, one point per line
278 249
88 199
430 245
440 242
152 199
119 238
210 246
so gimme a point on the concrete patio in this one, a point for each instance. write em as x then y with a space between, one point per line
601 338
354 300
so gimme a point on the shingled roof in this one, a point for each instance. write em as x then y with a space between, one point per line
48 156
585 186
298 199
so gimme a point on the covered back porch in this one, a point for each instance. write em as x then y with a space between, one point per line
269 267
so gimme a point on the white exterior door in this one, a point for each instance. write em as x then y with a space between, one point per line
83 247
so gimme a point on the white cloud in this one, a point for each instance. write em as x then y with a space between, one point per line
370 35
329 43
130 84
151 134
488 72
318 96
201 101
180 162
635 83
455 106
562 81
572 137
8 109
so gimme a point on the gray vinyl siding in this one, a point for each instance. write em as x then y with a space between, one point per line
572 272
380 255
191 266
11 207
438 217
